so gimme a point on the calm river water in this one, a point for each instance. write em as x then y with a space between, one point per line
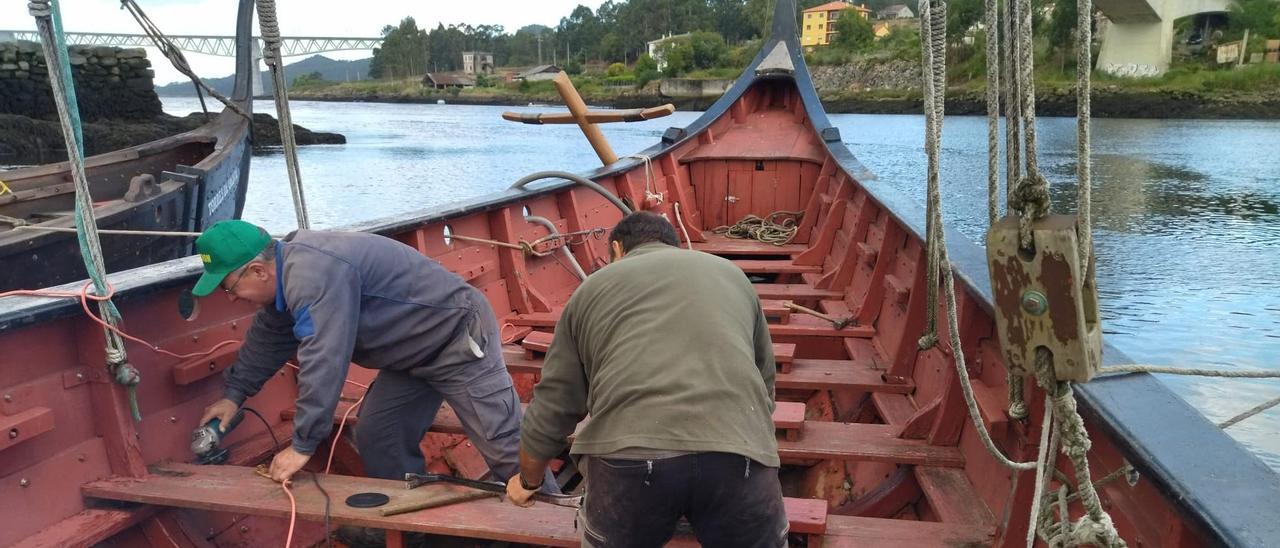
1186 212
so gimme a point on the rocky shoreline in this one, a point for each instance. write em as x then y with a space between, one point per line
1108 102
29 141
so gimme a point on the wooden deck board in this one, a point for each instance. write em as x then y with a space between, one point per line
837 374
721 245
795 291
860 532
864 442
238 489
774 266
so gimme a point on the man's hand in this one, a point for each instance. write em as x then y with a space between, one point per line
517 494
223 409
287 463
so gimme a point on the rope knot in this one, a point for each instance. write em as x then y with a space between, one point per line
39 8
127 375
1031 199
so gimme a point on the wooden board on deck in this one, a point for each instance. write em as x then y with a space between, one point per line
860 532
717 244
864 442
953 497
238 489
838 374
774 266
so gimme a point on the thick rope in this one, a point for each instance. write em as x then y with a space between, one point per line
649 194
683 230
764 229
1048 450
177 59
1012 104
1031 194
1191 371
49 24
270 27
993 110
1251 412
933 44
1084 85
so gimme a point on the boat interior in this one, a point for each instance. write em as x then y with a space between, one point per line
876 444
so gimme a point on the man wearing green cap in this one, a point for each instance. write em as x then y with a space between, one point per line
333 298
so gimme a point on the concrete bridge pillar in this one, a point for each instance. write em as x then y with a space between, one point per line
1137 48
258 91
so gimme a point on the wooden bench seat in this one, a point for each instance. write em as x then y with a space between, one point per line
788 418
864 442
538 342
860 532
238 489
774 266
791 292
717 244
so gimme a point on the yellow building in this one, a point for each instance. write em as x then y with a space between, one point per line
818 26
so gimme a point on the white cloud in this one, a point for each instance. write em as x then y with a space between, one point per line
297 18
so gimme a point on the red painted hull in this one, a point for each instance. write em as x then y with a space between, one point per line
885 445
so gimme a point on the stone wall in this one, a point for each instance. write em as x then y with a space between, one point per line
867 74
111 83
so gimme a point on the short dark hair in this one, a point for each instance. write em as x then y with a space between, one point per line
642 227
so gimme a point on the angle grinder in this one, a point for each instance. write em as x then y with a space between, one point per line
206 441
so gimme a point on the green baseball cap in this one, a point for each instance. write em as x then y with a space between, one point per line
226 246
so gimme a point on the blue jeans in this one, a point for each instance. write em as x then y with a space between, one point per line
729 500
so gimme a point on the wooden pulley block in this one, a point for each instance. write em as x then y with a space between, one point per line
1045 298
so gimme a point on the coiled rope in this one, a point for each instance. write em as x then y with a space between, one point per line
768 229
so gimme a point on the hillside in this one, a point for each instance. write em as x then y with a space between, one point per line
331 69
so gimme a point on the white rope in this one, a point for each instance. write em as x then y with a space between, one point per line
1043 462
649 182
933 17
271 54
1251 412
993 111
1237 374
1084 69
680 221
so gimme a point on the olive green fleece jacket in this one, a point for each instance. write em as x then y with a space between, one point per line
665 349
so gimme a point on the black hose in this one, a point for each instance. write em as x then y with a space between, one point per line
577 179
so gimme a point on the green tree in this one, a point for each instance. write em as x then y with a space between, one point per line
853 32
1261 17
403 52
961 16
677 55
646 70
709 49
616 69
310 79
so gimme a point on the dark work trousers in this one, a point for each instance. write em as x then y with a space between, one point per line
400 407
730 500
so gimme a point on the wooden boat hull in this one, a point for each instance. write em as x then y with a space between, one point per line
882 455
200 177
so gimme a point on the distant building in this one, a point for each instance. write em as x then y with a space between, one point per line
896 11
477 62
655 48
540 72
820 22
439 80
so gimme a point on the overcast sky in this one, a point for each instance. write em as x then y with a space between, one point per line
297 18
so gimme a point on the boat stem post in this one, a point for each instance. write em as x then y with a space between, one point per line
579 110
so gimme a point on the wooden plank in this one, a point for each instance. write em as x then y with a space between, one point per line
803 325
789 417
953 497
239 489
853 531
739 192
537 341
195 369
774 266
812 374
795 291
15 429
806 516
864 442
87 528
718 244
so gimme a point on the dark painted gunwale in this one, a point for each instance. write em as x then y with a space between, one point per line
1213 479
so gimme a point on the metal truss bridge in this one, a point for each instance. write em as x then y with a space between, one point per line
223 46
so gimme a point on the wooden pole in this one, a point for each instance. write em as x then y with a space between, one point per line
579 110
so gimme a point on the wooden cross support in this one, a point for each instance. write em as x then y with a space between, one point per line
587 119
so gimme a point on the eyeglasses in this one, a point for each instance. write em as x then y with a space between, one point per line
237 282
